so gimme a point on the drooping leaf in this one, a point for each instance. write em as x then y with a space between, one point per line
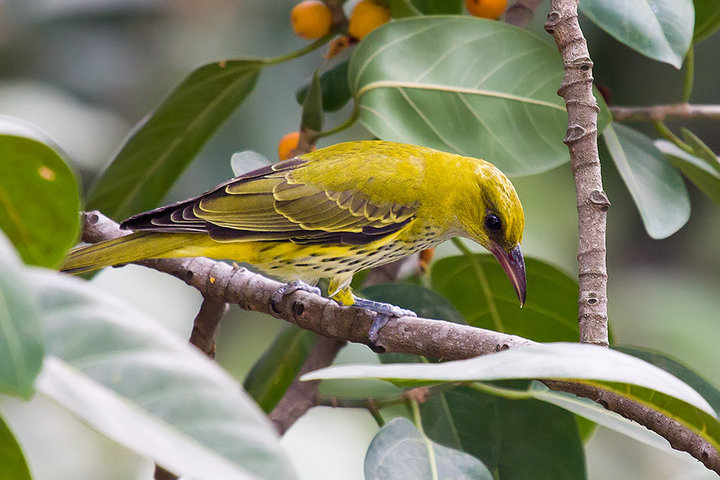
247 161
334 85
275 370
39 199
21 346
694 168
687 375
426 303
481 291
465 85
591 364
312 114
586 364
659 29
126 377
160 148
707 18
12 459
514 438
400 452
656 187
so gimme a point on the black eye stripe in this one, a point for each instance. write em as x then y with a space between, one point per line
493 223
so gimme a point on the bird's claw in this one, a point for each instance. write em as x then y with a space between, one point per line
289 288
384 312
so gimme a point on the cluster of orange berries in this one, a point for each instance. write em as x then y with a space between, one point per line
313 19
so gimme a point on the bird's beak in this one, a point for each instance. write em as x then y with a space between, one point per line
514 265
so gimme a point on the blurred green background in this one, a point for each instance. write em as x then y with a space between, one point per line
87 71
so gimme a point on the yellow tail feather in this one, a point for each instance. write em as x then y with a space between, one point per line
127 249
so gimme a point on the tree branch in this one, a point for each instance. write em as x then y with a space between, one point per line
661 112
521 12
419 336
581 140
205 325
302 396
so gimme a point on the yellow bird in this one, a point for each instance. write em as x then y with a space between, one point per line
329 214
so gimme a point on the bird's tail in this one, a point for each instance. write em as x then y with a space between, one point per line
122 250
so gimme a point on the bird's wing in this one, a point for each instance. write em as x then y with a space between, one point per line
270 204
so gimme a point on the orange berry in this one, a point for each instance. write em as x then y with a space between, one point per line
366 17
486 8
287 144
311 19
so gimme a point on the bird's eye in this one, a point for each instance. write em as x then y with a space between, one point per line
493 223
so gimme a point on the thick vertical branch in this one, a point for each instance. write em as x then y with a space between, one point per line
581 140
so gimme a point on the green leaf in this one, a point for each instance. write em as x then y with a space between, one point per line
334 86
247 161
707 18
694 168
420 300
312 114
466 85
164 143
438 7
137 384
402 8
400 452
39 199
589 363
657 188
659 29
275 370
669 364
21 346
12 459
481 291
516 439
701 150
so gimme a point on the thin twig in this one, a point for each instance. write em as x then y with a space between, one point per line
419 336
205 325
521 12
662 112
581 140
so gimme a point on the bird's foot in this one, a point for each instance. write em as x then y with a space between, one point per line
289 288
384 312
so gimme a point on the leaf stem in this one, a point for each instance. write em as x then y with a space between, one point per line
301 51
666 133
484 284
345 125
500 391
417 420
689 78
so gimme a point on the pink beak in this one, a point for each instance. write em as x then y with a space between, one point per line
514 265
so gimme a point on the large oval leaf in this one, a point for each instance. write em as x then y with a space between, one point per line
514 438
659 29
481 291
400 452
466 85
160 148
39 199
21 347
426 303
657 188
144 388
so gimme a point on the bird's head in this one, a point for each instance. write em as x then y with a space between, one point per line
494 218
